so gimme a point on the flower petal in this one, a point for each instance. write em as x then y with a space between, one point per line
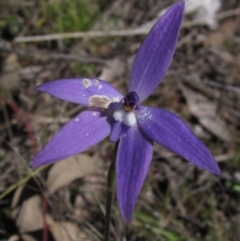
156 52
133 159
83 91
171 132
80 133
118 129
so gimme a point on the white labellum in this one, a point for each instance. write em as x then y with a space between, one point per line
128 118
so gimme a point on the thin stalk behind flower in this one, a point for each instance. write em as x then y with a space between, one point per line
111 180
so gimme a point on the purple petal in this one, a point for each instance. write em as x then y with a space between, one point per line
133 159
80 133
171 132
82 91
156 52
118 129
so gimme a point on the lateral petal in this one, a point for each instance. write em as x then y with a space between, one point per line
171 132
133 159
83 91
80 133
118 129
156 52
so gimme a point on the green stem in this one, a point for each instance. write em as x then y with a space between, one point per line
110 189
32 174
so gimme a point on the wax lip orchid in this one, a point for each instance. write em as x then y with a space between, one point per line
135 126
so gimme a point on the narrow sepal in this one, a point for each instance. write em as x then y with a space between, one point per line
156 52
118 129
83 91
171 132
80 133
133 159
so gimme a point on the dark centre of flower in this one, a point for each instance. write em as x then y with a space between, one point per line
131 101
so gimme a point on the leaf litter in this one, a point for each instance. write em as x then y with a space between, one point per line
201 86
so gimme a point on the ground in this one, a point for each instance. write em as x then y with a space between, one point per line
66 201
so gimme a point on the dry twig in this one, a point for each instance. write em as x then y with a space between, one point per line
129 32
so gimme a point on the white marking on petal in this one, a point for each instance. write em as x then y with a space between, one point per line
115 99
145 114
96 82
77 119
101 101
128 118
99 87
87 82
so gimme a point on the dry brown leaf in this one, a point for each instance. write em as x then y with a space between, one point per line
205 111
10 77
30 217
30 72
66 231
225 32
14 238
27 237
113 69
64 172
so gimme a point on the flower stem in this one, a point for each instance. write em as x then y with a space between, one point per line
110 189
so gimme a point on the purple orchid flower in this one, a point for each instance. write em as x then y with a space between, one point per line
136 127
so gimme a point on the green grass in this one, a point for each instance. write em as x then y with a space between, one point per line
236 159
68 15
80 69
54 16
